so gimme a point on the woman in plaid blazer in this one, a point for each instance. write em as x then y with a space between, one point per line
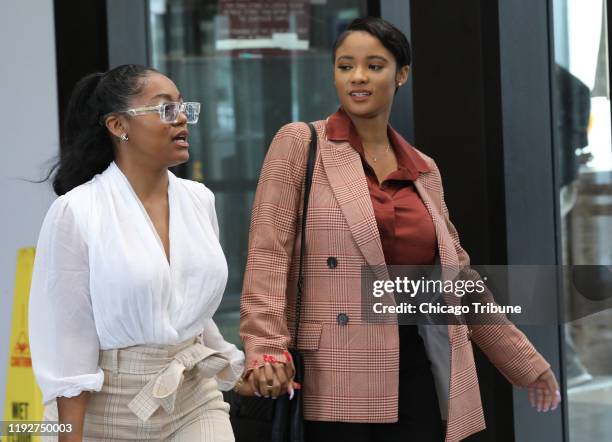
365 381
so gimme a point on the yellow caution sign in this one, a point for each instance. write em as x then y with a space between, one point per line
23 397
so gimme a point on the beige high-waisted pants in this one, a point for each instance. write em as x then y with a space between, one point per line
154 393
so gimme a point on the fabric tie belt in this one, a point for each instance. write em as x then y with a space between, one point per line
161 390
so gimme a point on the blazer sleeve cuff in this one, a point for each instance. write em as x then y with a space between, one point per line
511 352
526 366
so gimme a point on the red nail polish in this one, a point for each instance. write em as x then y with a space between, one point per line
288 356
297 385
271 359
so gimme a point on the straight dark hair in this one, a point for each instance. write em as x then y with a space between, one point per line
391 38
87 148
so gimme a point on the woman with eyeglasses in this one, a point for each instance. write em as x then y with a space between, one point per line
129 272
375 201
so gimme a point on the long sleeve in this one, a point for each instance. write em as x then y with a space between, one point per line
501 341
263 320
211 336
63 338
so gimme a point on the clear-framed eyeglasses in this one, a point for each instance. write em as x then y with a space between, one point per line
169 111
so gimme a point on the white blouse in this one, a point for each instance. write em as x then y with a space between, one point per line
102 280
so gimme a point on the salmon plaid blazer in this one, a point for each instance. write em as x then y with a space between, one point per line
352 367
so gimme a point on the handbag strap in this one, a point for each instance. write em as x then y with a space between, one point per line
312 153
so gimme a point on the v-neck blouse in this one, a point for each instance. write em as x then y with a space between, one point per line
102 280
406 228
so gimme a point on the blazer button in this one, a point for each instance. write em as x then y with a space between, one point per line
342 319
332 262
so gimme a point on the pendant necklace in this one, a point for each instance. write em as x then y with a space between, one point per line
386 151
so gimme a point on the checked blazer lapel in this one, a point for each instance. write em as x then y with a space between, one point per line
449 261
345 173
464 406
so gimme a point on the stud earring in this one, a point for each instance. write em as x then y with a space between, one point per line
124 137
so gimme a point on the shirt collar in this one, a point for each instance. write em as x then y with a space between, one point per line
339 127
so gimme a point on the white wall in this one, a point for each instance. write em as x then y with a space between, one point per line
28 139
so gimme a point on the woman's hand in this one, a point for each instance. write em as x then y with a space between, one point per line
544 392
272 379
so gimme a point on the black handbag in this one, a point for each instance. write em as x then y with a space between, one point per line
257 419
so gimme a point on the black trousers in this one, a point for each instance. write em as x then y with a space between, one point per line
419 412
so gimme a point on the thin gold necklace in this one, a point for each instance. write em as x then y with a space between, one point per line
387 149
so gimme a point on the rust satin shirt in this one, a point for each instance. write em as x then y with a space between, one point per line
406 229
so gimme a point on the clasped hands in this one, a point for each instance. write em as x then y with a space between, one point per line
270 380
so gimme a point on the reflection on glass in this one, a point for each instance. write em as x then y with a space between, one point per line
584 154
254 66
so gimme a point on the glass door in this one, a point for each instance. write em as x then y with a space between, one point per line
584 162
